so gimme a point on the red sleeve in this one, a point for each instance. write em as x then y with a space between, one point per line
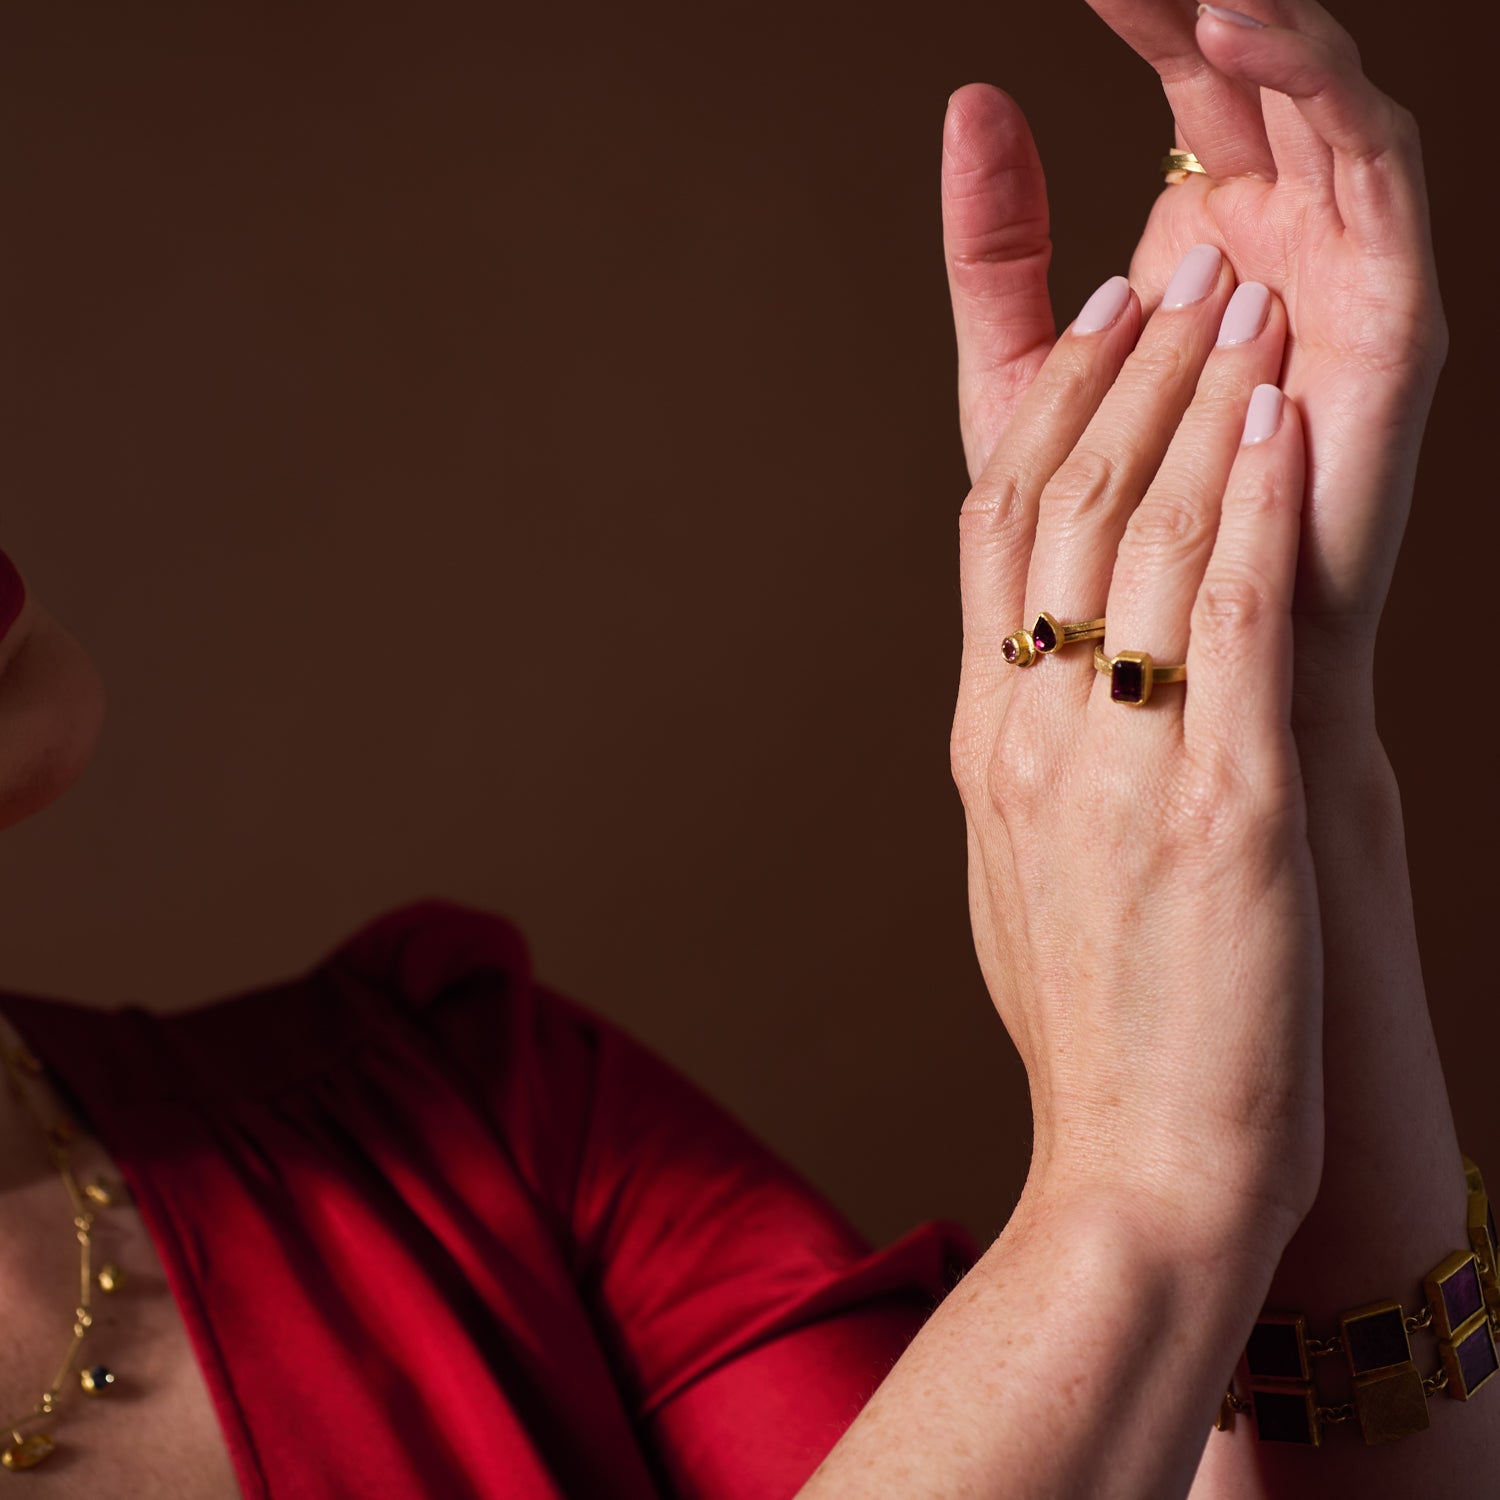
746 1321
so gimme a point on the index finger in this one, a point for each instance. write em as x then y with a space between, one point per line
1218 118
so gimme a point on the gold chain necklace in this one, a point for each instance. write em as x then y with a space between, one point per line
26 1449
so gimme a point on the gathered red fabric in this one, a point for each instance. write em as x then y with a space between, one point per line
436 1230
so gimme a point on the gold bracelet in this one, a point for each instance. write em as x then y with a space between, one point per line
1389 1393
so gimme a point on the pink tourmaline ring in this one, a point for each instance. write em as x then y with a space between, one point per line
1024 648
1132 675
1018 648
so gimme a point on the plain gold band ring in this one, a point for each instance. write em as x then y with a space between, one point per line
1178 166
1132 675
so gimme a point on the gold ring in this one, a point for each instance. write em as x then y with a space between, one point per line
1179 165
1049 634
1132 675
1024 648
1018 648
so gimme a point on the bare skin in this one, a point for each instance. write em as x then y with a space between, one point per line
984 1402
157 1433
1317 188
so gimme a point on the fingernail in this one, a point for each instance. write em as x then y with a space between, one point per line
1234 17
1264 415
1246 314
1194 277
1104 306
12 593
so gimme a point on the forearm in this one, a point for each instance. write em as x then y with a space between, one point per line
1083 1355
1392 1200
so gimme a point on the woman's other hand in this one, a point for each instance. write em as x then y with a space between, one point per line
51 702
1315 188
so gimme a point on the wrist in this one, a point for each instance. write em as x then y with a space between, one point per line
1186 1236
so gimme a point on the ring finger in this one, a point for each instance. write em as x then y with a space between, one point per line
1165 550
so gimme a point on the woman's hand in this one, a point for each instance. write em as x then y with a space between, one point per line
51 703
1141 886
1315 188
1144 910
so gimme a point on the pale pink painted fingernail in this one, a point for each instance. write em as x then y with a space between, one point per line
1246 314
1264 415
1234 17
1104 306
1194 277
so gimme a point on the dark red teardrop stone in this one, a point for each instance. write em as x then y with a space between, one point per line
1044 635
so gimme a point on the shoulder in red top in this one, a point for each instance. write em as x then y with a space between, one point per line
437 1231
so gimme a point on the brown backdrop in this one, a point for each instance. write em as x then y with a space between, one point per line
511 455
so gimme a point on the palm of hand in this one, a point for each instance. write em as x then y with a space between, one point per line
1365 343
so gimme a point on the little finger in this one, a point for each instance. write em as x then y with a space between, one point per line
1240 657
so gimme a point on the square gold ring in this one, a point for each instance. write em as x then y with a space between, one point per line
1133 674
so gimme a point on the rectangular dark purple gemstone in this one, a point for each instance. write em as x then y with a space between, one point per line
1282 1416
1127 681
1377 1340
1275 1352
1462 1297
1476 1358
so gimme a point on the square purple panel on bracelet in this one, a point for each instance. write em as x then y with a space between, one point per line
1376 1340
1476 1358
1274 1352
1283 1416
1462 1297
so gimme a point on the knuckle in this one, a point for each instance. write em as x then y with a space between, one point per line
1231 603
995 518
1205 803
1019 773
996 504
1164 524
1162 364
1084 482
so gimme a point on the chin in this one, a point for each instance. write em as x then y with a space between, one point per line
52 705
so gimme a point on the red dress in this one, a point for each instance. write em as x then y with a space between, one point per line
436 1231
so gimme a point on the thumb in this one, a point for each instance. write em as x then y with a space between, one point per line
997 241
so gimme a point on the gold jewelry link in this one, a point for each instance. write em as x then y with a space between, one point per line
1333 1415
